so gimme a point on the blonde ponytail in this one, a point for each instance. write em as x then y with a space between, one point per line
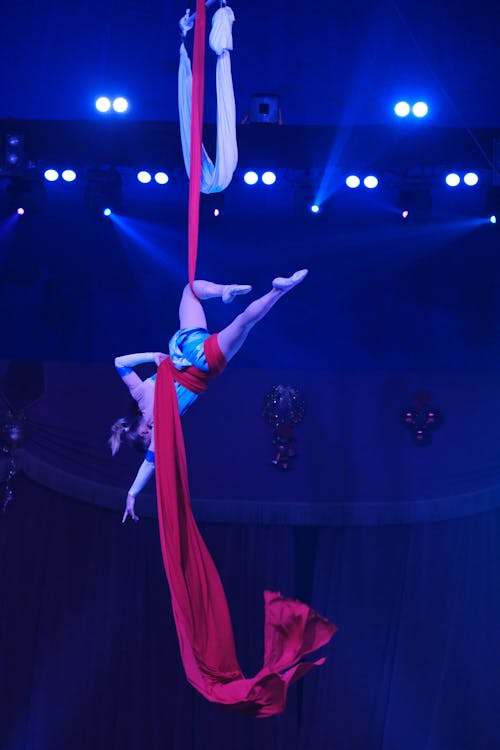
118 431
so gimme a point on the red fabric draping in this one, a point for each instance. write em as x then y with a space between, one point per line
201 613
196 137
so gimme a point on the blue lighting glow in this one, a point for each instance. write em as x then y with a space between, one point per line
420 109
20 211
107 212
103 104
402 109
51 175
69 175
452 179
268 178
161 178
144 177
353 181
493 219
370 182
471 178
251 178
315 208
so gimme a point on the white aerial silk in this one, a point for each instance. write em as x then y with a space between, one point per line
214 178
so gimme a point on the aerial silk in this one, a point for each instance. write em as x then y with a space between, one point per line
203 175
291 629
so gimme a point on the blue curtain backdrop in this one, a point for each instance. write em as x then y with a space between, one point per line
89 658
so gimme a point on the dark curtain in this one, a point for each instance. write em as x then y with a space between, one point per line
89 658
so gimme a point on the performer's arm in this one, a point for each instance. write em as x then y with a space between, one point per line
125 363
146 470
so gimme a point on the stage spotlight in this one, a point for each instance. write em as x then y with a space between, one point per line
314 209
471 178
144 177
415 202
51 175
120 105
161 178
251 178
493 203
452 179
420 109
103 104
26 193
14 152
107 212
402 109
370 182
211 206
20 211
69 175
103 190
268 178
353 181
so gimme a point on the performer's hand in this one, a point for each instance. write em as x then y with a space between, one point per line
129 509
159 357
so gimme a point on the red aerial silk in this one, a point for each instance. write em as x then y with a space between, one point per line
292 629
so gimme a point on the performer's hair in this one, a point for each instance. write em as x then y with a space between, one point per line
125 430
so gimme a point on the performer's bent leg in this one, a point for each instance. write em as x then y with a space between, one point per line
234 335
191 313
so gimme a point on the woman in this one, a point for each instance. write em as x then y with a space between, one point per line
186 349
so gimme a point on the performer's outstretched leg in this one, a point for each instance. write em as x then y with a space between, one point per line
233 336
191 314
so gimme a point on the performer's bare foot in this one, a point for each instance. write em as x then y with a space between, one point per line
230 291
284 285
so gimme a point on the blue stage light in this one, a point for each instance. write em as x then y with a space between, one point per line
353 181
161 178
420 109
405 214
268 178
107 212
120 105
370 182
471 178
103 104
452 179
251 178
315 209
20 211
402 109
69 175
493 219
144 177
51 175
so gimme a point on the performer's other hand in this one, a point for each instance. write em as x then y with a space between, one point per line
129 509
159 357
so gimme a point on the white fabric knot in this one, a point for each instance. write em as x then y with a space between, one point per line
221 36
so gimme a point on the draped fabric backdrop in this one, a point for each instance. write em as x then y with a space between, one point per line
89 657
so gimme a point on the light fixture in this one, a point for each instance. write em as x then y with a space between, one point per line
103 104
353 181
120 105
250 177
402 109
161 178
268 178
103 190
